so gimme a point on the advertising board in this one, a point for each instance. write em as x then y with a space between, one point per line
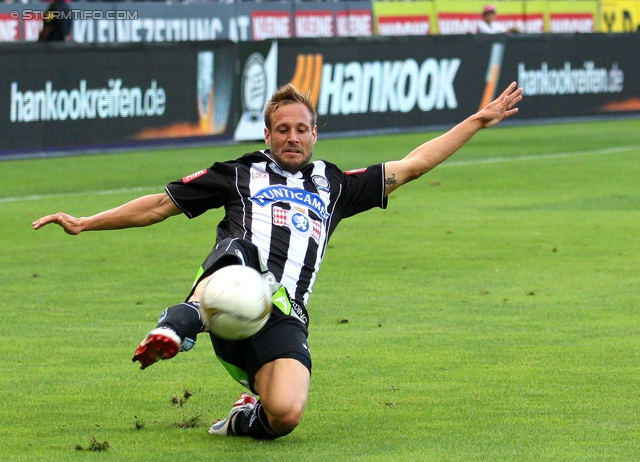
69 95
577 75
72 96
620 15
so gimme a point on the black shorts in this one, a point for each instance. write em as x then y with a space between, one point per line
283 336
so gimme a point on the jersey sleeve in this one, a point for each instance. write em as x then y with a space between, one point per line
363 190
207 189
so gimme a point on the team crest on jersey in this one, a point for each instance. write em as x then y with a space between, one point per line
321 183
298 221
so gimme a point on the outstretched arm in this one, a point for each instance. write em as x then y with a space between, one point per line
144 211
430 154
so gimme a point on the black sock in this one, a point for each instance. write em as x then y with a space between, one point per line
253 423
185 320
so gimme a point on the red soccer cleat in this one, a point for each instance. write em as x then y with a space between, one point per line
160 343
222 427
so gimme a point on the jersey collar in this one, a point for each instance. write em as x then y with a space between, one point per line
275 168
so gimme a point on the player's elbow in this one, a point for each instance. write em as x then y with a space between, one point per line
153 218
417 166
163 209
417 170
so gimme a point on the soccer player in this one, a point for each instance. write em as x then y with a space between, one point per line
280 211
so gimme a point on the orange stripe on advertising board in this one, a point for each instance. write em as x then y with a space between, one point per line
627 105
493 74
307 77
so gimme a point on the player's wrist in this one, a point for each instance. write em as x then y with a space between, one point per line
475 122
85 224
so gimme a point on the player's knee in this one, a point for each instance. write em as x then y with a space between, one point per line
285 420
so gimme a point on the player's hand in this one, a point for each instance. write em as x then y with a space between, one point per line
71 225
502 107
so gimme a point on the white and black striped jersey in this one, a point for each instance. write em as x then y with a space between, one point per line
289 217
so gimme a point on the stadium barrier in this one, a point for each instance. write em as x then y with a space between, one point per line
131 22
85 97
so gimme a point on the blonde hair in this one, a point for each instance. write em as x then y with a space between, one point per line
288 94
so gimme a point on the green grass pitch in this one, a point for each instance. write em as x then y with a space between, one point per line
489 314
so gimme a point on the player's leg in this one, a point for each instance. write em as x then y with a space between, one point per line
179 325
276 365
176 331
283 387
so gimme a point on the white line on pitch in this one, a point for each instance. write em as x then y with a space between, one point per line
107 192
450 163
555 155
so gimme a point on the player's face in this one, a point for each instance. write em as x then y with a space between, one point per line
291 137
490 17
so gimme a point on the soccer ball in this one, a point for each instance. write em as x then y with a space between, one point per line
235 302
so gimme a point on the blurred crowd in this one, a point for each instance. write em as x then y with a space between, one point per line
169 1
